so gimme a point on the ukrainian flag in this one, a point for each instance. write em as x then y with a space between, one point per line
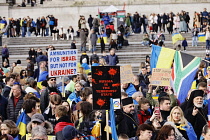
21 124
201 37
161 57
112 119
104 37
176 37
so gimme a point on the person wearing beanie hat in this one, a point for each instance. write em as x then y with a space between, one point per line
128 125
69 132
196 112
84 64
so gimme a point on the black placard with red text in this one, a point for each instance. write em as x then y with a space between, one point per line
106 85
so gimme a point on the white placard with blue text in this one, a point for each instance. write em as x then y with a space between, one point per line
62 62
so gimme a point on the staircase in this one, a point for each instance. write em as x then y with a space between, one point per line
133 54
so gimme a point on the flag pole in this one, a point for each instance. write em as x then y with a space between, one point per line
107 125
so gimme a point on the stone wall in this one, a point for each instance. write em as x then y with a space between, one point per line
68 15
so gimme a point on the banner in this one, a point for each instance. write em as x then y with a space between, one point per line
62 62
161 77
105 85
126 74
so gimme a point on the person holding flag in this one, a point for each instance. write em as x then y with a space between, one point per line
29 107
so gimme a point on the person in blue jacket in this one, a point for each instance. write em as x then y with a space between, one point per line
184 44
185 128
106 19
75 96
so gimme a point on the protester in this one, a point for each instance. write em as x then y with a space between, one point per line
128 125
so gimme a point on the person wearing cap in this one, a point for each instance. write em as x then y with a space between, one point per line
69 132
196 112
128 125
36 120
51 87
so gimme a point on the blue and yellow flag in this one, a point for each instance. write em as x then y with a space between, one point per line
112 119
201 37
176 37
21 124
161 57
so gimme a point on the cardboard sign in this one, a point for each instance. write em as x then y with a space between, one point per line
126 74
160 77
62 62
105 85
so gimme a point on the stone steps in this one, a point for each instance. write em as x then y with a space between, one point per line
132 54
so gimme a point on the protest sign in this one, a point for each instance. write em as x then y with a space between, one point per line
160 77
62 62
105 85
126 74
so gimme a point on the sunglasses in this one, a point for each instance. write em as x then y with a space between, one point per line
52 79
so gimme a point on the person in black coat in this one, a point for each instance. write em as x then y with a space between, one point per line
84 55
94 56
3 105
196 112
128 125
49 113
51 88
120 40
73 45
6 91
90 22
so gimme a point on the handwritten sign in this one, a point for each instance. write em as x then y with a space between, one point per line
126 74
105 85
62 62
161 77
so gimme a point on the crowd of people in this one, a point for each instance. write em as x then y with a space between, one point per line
51 112
147 112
